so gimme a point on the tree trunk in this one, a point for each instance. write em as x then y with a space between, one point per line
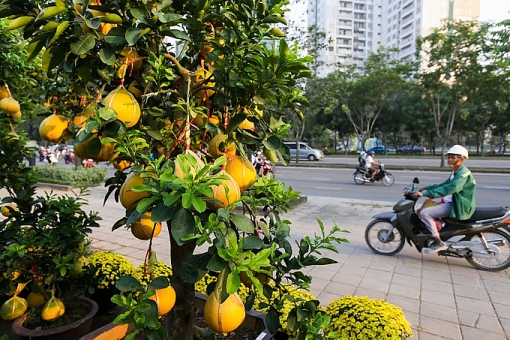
181 319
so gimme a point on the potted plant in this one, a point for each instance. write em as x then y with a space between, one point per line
43 238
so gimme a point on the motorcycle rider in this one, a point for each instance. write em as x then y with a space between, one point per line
457 195
370 162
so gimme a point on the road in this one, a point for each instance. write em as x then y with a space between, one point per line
388 160
492 189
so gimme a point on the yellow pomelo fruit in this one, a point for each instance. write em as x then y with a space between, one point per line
225 317
227 192
134 88
53 309
246 280
78 266
9 105
125 104
128 198
214 120
165 299
79 120
143 228
218 146
13 308
4 93
79 148
106 153
201 77
121 165
6 211
205 48
105 27
131 55
242 171
247 125
200 164
53 127
35 299
16 115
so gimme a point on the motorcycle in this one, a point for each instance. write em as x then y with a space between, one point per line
382 175
69 157
266 167
483 240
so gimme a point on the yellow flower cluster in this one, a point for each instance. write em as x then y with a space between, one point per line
354 317
156 269
110 267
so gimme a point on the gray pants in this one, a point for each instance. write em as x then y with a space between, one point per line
429 214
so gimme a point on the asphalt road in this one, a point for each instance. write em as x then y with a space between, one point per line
492 189
389 160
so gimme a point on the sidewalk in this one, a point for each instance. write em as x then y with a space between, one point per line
443 298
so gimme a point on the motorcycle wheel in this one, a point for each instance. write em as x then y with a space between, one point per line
499 241
358 178
377 238
388 180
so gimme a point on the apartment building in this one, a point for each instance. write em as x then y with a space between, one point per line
358 27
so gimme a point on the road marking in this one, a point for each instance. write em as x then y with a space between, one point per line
491 187
328 188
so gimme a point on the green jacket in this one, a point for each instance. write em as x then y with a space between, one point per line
462 188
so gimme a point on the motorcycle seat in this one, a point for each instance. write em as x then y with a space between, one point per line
483 214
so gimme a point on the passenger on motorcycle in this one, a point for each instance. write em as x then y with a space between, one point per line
371 170
362 159
457 195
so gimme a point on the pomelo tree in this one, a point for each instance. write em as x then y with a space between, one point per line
179 94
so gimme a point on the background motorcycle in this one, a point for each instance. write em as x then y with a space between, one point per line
69 157
266 167
382 175
483 240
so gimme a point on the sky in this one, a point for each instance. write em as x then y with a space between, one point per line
494 10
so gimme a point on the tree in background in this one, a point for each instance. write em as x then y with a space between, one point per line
453 67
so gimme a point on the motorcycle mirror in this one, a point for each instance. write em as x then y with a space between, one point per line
416 180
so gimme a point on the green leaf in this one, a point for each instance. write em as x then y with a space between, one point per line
83 44
115 38
52 57
177 34
233 283
50 26
182 224
133 34
151 316
272 321
169 17
252 242
19 22
112 18
242 222
159 283
198 204
163 213
107 56
61 28
216 263
127 283
49 12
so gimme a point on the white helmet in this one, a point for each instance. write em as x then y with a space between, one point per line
459 150
362 153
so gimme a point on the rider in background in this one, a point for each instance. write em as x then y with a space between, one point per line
362 159
457 195
371 171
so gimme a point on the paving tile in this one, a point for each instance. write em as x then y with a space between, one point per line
482 307
374 284
381 275
473 292
499 297
439 312
437 286
438 298
373 294
444 329
469 333
406 303
404 291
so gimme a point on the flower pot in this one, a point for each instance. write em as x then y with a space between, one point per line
72 331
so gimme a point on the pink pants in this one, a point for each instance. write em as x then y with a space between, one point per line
429 214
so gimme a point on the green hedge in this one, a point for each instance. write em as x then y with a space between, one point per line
70 176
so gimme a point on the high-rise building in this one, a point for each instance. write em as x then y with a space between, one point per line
356 28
